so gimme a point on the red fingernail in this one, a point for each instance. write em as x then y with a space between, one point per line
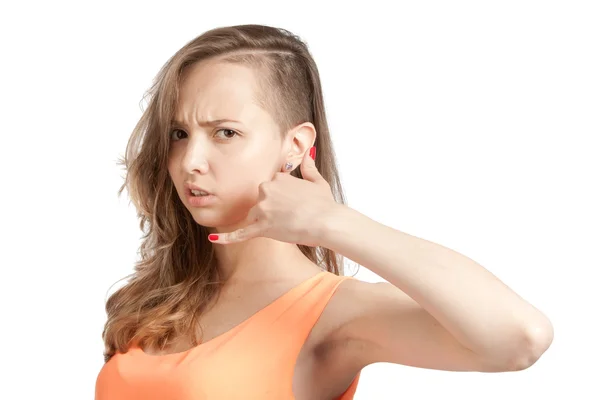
212 236
313 152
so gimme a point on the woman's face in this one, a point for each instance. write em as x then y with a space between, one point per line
228 159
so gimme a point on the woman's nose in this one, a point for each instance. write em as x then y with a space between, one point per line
195 158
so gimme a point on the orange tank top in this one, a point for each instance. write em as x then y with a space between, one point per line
254 360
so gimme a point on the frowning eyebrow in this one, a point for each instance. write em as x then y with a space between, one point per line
206 123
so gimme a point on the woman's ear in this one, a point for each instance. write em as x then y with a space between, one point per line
302 138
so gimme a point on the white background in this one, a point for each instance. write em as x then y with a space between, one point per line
471 124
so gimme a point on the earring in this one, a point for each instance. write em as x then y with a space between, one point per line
288 165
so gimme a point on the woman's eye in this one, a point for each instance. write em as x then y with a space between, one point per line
174 131
231 132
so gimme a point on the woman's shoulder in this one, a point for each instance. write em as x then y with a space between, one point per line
334 356
339 308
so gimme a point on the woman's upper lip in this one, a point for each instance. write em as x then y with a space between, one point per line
191 186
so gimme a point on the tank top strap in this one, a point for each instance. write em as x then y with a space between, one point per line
292 318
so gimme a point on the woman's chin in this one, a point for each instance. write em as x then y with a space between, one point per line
209 221
212 217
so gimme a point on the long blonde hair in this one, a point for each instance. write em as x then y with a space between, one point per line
177 276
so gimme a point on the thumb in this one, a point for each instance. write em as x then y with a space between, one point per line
309 168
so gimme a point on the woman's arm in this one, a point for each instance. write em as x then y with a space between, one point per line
484 324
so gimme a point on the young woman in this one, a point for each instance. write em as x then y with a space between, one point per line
240 292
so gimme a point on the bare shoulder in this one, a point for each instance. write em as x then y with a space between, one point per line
352 299
335 357
332 373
